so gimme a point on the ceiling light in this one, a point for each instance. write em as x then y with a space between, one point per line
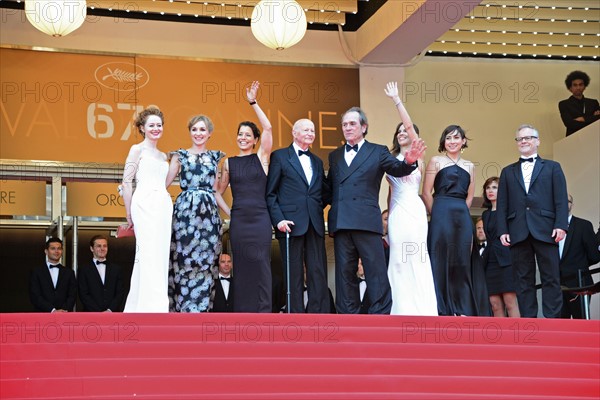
278 25
56 18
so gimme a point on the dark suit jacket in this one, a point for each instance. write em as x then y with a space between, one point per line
355 188
579 252
291 197
572 108
96 296
45 297
220 304
537 212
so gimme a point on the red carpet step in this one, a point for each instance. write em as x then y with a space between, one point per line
276 356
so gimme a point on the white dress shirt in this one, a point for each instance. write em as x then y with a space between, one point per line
349 155
225 285
527 171
561 244
101 269
305 162
53 273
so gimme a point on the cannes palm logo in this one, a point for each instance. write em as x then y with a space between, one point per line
122 76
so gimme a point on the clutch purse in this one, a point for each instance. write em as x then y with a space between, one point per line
122 231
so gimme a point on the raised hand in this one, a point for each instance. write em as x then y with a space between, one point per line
252 91
391 91
417 149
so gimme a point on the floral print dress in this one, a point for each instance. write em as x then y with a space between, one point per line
196 238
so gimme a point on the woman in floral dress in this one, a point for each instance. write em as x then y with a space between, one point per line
196 237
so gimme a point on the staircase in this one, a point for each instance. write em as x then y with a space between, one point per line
298 356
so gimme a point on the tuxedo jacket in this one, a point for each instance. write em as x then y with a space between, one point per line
96 296
355 188
572 108
536 212
220 304
291 197
580 251
45 297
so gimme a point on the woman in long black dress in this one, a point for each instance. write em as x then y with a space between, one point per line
498 270
250 229
450 235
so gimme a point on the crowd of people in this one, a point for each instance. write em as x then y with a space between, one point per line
440 266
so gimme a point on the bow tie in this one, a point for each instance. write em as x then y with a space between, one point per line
361 280
305 153
222 278
530 159
53 266
482 245
101 262
349 147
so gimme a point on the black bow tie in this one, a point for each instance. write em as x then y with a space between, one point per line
349 147
53 266
306 153
101 262
482 245
222 278
530 159
361 280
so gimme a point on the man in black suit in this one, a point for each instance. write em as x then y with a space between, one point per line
295 185
101 285
578 111
52 287
532 218
355 172
578 251
223 301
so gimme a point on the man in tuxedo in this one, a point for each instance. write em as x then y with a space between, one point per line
480 236
295 185
52 287
578 251
577 111
355 172
532 218
223 301
101 286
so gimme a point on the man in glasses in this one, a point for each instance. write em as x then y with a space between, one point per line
532 219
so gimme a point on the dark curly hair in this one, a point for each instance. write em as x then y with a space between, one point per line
577 75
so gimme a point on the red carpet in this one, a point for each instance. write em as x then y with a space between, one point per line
275 356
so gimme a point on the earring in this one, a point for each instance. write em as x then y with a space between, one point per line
462 150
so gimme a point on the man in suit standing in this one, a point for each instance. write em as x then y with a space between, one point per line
101 285
578 251
532 218
355 172
223 301
295 185
52 287
578 111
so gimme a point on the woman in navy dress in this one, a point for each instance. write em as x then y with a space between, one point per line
196 237
450 235
498 270
250 229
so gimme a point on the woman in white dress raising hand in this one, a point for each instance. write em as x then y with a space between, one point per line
409 270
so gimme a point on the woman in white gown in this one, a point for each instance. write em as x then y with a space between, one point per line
409 270
149 211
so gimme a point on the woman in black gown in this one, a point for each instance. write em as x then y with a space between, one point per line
498 270
450 235
250 229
